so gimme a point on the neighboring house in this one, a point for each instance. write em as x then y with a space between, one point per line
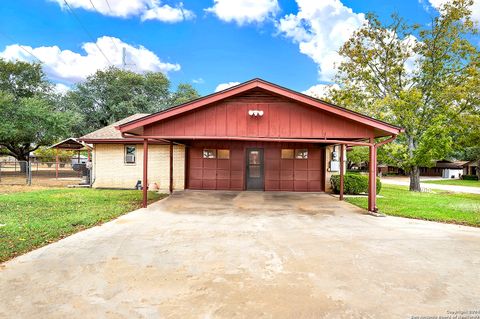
82 159
254 136
470 168
444 168
384 169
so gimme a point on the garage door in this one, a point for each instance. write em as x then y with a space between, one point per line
216 169
292 174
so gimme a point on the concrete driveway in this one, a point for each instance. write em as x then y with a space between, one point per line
248 255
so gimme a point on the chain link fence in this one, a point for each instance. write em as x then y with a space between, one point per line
14 172
43 173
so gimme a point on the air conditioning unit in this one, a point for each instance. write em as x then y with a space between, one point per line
130 158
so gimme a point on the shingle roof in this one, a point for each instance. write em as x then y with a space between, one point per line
450 164
110 132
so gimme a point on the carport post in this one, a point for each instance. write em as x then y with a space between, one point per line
171 168
56 163
372 178
342 154
145 172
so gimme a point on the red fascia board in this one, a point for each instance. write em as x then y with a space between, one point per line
258 83
119 141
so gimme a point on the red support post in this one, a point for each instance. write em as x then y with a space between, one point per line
372 178
342 173
78 163
171 168
56 164
145 172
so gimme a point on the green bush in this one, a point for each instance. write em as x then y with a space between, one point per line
354 184
470 177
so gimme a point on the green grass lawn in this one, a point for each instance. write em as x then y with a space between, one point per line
439 206
32 219
458 182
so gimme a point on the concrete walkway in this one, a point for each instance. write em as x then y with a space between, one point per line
248 255
404 181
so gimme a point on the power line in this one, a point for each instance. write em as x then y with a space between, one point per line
21 46
108 4
93 5
86 31
94 8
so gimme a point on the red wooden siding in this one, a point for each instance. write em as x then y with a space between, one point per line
282 118
280 174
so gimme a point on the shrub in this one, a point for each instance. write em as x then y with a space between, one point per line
354 184
470 177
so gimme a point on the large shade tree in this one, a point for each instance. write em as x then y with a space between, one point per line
112 94
422 79
29 117
468 139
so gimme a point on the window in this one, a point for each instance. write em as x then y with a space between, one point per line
130 154
301 153
208 153
287 153
223 154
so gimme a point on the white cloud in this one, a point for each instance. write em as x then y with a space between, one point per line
244 11
169 14
475 8
320 28
224 86
61 88
147 9
70 66
320 91
198 81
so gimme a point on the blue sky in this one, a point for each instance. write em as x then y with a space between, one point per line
205 43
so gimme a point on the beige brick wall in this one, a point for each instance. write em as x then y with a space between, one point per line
328 174
110 170
328 158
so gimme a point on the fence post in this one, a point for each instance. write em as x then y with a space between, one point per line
29 176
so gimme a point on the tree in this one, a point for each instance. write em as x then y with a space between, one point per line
184 93
113 94
28 117
49 155
423 80
357 156
22 79
468 139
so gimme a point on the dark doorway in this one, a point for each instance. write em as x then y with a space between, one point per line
255 174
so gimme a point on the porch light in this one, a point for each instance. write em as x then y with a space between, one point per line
255 113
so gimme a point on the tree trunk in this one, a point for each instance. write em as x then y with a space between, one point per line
415 179
23 160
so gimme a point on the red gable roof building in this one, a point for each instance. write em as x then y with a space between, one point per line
253 136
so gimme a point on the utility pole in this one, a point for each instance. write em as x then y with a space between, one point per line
124 59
